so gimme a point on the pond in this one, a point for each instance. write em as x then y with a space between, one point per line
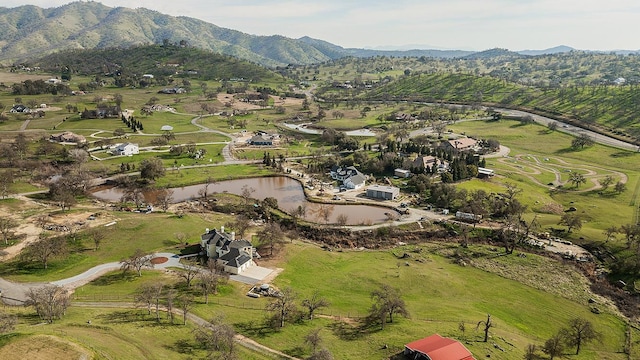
287 191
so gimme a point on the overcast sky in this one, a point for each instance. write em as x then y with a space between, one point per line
450 24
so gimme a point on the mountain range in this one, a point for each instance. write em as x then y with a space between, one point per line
29 32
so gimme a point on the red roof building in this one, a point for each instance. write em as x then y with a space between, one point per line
436 347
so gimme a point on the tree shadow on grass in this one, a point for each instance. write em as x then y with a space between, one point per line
254 328
123 316
183 346
297 352
114 278
568 150
622 154
348 332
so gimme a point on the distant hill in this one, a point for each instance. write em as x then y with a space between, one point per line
553 50
29 32
162 61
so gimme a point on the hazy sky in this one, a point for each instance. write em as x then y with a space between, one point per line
452 24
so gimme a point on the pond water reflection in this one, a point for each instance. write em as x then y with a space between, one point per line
287 191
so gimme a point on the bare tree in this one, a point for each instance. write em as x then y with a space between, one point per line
164 198
7 322
283 306
45 249
324 212
50 301
170 301
204 192
246 193
185 301
486 324
387 302
239 225
189 272
554 346
530 352
97 235
342 220
314 303
298 213
137 261
579 331
7 225
209 281
6 181
313 339
271 235
217 336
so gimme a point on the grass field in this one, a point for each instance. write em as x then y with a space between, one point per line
438 293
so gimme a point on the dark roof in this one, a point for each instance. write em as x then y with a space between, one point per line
235 257
437 347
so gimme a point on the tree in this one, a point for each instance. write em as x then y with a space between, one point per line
298 213
576 179
553 126
209 281
239 225
324 212
580 331
581 141
185 302
271 235
314 339
322 354
342 220
217 336
571 221
554 346
150 294
606 181
7 322
609 232
164 198
620 187
50 301
62 195
386 301
6 181
246 192
118 132
97 235
530 352
151 168
45 248
283 306
7 225
486 324
314 303
169 301
137 261
189 272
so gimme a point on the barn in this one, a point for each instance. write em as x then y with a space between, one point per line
436 347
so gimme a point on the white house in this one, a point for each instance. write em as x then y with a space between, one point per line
126 149
350 176
402 173
235 255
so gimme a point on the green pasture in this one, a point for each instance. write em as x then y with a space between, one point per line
438 293
183 177
151 232
124 333
599 209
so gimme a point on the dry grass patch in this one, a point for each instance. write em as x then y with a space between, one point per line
43 347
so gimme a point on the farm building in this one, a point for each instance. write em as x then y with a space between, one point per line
126 149
383 192
484 172
461 144
436 347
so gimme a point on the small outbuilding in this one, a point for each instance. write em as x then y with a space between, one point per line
402 173
383 192
127 149
436 347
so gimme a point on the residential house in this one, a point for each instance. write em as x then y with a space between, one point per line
261 140
426 161
436 347
402 173
170 91
383 192
68 137
19 108
101 113
461 144
236 255
126 149
350 177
